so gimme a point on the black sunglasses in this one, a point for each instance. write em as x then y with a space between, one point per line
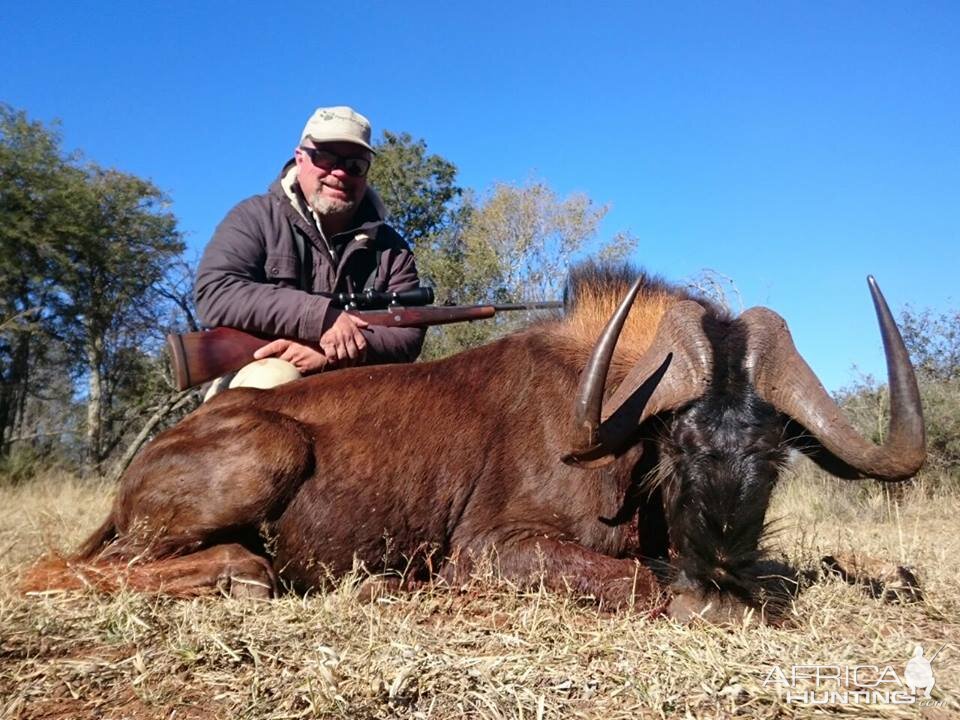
326 160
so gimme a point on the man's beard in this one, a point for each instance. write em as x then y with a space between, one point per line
325 206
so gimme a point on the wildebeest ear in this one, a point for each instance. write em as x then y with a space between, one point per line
673 371
589 459
798 438
615 432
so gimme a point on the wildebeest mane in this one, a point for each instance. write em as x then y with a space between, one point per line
592 293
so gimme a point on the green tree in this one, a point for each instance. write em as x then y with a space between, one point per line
419 189
423 201
933 341
84 251
116 250
515 244
523 238
35 179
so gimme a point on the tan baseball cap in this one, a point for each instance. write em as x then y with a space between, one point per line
338 124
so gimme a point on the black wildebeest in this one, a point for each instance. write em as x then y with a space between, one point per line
515 447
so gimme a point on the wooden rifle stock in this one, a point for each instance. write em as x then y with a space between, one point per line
207 354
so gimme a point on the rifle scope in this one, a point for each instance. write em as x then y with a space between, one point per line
375 299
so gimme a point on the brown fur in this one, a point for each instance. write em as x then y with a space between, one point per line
410 468
229 568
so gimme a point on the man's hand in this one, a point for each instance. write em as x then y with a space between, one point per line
303 357
343 342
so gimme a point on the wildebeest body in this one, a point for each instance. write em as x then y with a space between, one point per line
421 469
390 471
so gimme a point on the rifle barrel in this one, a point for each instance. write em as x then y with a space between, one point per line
424 316
543 305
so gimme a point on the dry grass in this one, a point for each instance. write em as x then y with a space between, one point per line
486 651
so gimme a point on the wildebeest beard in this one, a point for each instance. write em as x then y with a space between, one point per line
719 460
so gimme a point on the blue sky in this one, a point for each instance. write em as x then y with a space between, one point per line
793 147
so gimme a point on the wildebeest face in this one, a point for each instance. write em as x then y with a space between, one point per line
719 465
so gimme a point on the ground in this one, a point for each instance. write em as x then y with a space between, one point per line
485 651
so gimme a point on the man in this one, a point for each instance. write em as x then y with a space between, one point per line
319 229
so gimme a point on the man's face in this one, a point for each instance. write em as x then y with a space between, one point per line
328 186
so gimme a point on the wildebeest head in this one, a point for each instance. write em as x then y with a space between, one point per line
720 400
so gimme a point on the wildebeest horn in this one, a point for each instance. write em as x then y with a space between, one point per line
679 347
586 408
783 379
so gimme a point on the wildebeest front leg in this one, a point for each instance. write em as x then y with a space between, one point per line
882 579
567 566
230 568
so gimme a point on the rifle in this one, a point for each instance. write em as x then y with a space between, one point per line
207 354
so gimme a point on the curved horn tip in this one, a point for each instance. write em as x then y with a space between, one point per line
879 301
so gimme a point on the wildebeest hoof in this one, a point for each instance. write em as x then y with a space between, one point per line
378 587
244 574
689 607
249 588
882 580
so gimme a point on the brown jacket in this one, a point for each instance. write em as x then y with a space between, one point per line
252 276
